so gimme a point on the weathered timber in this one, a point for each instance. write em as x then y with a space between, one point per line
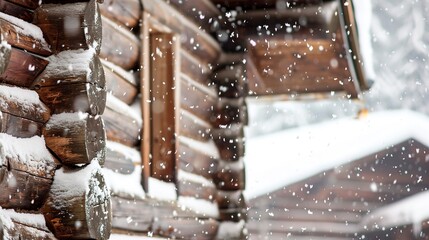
193 127
23 103
18 126
72 67
230 199
197 99
119 45
193 68
230 176
76 138
26 173
233 214
196 186
229 111
193 39
70 26
186 228
123 125
120 158
16 10
230 81
126 12
24 35
31 4
79 97
67 1
230 141
15 225
23 68
5 52
120 83
79 205
197 162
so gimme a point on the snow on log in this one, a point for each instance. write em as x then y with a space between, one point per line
186 228
193 127
230 176
14 225
119 46
233 214
229 111
230 81
23 68
73 81
5 51
121 158
230 199
123 125
199 208
76 138
18 126
79 204
23 103
127 12
24 35
16 10
230 141
192 185
26 172
232 230
120 83
70 26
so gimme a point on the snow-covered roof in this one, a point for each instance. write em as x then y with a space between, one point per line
276 160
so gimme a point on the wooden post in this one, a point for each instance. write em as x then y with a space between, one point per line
76 138
78 206
70 26
26 172
5 50
14 225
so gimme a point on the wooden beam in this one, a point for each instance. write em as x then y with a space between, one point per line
16 225
193 127
196 161
31 4
124 12
19 126
230 111
230 141
16 10
186 228
120 83
230 176
120 158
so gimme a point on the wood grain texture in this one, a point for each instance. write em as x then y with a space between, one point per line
186 228
192 127
16 10
119 45
76 140
5 52
19 36
197 190
85 212
18 126
119 86
13 227
117 160
23 68
197 162
126 12
70 26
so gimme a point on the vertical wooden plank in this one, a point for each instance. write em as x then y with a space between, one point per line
162 107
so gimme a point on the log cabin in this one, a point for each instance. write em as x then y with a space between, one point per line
133 111
339 189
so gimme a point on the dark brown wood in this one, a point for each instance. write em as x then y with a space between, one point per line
230 176
67 1
189 188
23 35
230 81
14 225
404 232
72 67
193 68
121 125
261 4
230 199
23 68
230 142
23 103
119 45
230 111
197 162
76 138
233 215
79 97
126 12
16 10
25 175
186 228
79 205
18 126
31 4
193 39
118 159
70 26
163 105
119 84
5 51
197 99
192 127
